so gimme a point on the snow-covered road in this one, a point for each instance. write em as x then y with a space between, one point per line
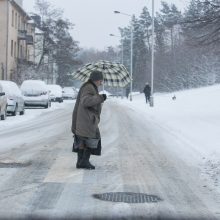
136 157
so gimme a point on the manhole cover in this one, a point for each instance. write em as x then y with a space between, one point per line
14 165
128 197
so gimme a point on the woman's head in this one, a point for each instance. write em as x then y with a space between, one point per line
97 77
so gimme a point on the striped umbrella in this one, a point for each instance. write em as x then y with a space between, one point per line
115 74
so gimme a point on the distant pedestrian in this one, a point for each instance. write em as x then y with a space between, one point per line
174 97
85 119
147 92
127 91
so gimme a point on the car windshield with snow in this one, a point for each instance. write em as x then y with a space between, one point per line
35 93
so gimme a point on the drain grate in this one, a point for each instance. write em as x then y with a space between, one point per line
128 197
14 165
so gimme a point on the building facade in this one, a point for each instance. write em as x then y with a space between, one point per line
16 38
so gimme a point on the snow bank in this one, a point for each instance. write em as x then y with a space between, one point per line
193 117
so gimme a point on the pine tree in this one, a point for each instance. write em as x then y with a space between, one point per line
201 23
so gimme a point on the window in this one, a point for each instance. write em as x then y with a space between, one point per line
22 24
19 22
16 20
28 55
15 49
12 48
12 18
21 52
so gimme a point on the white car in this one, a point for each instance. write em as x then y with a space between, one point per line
69 93
15 100
3 104
55 93
35 93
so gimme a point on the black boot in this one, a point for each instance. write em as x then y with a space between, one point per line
85 161
79 158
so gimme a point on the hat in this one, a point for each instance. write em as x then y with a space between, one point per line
96 76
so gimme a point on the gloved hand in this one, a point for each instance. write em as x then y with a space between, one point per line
104 96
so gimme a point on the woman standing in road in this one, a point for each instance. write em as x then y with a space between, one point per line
85 120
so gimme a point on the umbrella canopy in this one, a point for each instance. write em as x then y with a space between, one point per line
115 74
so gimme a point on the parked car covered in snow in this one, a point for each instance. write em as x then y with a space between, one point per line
3 104
15 100
55 93
35 93
69 93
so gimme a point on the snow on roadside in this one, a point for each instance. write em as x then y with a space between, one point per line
193 118
31 113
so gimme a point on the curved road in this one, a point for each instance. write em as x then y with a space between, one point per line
38 178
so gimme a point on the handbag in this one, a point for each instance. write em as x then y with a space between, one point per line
97 151
93 144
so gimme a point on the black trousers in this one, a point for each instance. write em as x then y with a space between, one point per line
147 98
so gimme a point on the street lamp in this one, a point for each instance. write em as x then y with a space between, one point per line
122 47
122 55
152 59
131 69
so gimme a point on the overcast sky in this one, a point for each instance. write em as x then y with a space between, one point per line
95 19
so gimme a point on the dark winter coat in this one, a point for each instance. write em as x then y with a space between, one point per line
87 110
147 90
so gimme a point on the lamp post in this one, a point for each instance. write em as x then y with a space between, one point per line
152 59
131 59
122 54
122 47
